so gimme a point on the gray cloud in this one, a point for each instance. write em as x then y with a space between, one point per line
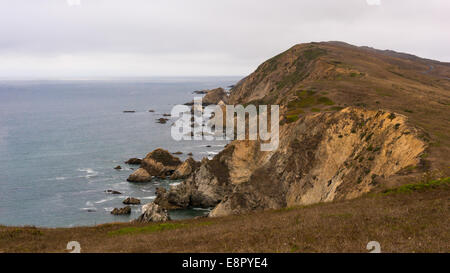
49 38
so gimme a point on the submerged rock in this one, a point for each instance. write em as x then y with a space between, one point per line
118 167
121 211
152 212
131 201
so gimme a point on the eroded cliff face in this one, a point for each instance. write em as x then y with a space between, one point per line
335 142
321 157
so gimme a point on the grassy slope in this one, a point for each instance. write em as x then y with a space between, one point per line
412 218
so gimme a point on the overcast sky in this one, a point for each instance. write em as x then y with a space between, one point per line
123 38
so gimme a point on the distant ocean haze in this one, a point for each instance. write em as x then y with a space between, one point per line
60 140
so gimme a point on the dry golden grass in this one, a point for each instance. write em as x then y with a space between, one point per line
410 219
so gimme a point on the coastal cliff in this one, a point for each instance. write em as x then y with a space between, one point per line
350 124
321 157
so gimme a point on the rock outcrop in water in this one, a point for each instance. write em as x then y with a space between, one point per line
121 211
159 163
131 201
140 175
134 161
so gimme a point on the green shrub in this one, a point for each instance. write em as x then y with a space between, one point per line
325 100
292 118
419 186
313 53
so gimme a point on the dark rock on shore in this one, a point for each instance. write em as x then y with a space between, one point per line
151 111
118 167
133 161
152 212
131 201
178 153
121 211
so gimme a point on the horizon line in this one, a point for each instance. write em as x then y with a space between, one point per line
99 78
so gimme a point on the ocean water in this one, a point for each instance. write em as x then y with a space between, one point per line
60 140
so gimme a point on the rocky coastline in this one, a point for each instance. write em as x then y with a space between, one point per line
331 148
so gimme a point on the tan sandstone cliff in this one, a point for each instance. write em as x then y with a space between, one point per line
321 157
